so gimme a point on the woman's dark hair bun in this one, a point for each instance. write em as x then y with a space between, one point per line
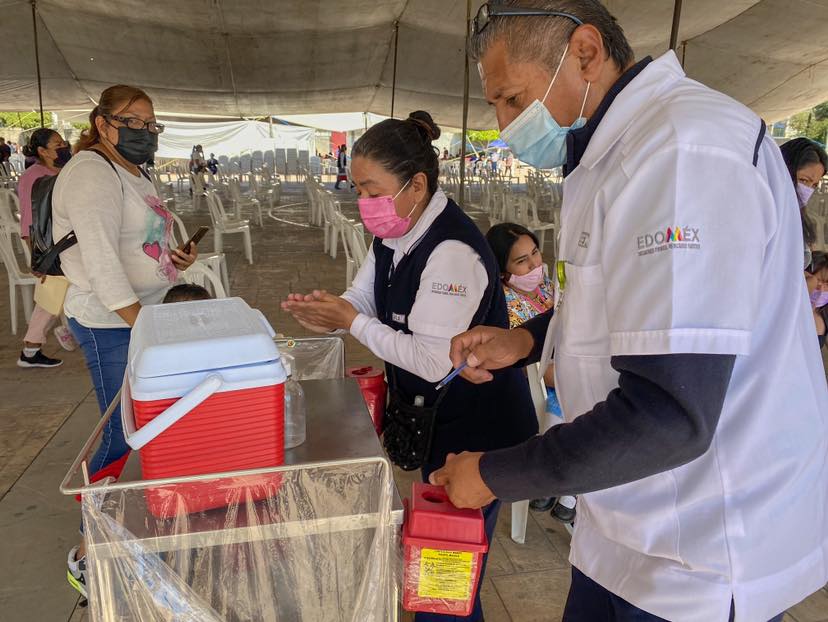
39 138
423 120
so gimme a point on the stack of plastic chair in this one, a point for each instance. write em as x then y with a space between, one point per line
16 278
239 200
222 225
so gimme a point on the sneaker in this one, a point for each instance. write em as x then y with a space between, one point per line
65 338
76 572
37 360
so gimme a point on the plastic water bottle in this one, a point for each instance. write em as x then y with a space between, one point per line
295 426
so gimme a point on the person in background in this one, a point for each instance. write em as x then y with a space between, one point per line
212 164
122 261
508 162
341 166
529 292
429 275
494 157
184 292
816 277
5 154
807 163
445 154
51 153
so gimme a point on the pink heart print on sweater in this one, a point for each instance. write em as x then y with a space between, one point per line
153 250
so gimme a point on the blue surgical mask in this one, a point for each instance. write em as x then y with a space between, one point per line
535 137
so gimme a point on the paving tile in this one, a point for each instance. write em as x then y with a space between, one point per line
812 609
534 596
536 554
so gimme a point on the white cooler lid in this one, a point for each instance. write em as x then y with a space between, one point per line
186 337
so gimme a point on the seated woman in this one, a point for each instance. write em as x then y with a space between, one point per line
816 276
529 292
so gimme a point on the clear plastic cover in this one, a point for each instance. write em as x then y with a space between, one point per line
319 545
317 358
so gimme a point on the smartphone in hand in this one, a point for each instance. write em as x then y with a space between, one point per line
195 239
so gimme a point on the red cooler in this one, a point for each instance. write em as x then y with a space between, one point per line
204 393
443 553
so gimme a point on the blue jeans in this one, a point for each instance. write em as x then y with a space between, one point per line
490 518
105 351
589 602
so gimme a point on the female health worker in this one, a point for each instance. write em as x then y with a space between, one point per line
429 275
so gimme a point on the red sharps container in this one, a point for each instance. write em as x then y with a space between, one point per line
372 384
443 553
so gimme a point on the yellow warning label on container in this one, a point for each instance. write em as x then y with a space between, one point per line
445 574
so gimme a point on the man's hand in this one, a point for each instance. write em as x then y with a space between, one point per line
320 311
461 478
487 347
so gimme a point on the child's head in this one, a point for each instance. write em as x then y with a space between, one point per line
186 292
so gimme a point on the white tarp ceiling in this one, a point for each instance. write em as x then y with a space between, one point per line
258 57
335 122
230 138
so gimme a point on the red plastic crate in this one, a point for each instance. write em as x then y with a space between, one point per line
229 431
443 553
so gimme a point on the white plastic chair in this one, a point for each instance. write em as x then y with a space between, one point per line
216 262
17 278
223 225
238 200
353 243
197 186
537 388
200 274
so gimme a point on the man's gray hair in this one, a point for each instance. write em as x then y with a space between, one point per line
543 39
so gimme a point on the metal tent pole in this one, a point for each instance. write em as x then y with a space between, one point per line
461 198
37 61
394 78
676 22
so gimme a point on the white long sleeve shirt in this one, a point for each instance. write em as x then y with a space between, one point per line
434 318
122 255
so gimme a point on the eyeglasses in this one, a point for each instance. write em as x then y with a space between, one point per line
493 9
135 123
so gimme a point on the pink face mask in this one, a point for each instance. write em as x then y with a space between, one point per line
528 282
380 216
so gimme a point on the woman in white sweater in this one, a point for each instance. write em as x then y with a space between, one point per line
122 259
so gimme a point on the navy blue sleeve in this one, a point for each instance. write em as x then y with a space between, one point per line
663 414
537 327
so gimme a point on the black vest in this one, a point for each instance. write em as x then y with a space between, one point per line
471 417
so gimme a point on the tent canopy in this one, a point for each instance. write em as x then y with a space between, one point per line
230 138
254 57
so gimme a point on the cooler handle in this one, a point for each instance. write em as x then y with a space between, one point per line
267 325
151 430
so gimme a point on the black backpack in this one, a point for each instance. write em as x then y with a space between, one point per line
45 251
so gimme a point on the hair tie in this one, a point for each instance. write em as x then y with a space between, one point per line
429 132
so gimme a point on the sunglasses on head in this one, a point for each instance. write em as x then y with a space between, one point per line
491 10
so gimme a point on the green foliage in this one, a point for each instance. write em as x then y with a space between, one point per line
483 136
80 125
811 123
27 120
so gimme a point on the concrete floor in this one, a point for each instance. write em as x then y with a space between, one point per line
46 415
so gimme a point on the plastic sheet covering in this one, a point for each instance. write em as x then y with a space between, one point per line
317 358
321 547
